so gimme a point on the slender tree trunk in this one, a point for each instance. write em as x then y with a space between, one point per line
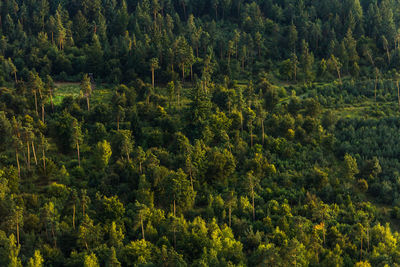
361 247
141 223
118 122
183 74
73 216
376 84
18 166
191 72
174 209
36 104
152 77
34 153
44 160
77 150
42 112
88 103
29 154
15 76
17 229
252 200
388 54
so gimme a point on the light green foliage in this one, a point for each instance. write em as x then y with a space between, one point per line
103 153
36 260
91 261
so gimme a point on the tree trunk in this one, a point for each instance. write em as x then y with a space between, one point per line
252 200
15 76
118 122
183 74
34 153
44 160
79 157
73 216
18 166
388 54
191 72
17 229
88 103
36 105
376 84
43 112
361 247
152 77
29 155
141 223
174 209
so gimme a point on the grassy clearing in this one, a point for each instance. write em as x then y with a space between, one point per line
100 93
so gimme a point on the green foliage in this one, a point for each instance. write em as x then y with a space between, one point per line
257 133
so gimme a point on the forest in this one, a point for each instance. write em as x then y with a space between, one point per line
199 133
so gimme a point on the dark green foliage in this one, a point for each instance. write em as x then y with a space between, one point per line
248 133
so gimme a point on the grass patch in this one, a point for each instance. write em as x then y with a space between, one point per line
100 94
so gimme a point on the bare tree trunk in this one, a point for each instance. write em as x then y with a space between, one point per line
36 104
42 112
141 223
87 101
174 209
15 76
152 77
77 150
18 166
73 216
17 229
361 247
252 200
34 153
29 155
44 160
376 84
